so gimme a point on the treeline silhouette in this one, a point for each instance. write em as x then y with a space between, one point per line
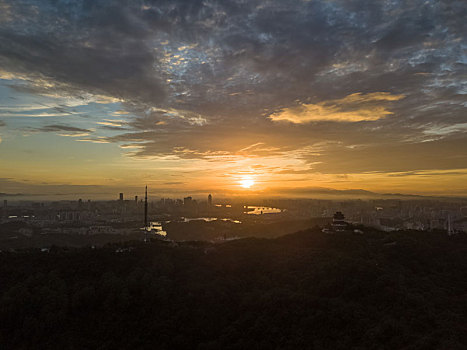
403 290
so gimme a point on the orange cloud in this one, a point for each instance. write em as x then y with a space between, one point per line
352 108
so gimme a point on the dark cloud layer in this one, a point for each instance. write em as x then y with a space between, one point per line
60 128
205 78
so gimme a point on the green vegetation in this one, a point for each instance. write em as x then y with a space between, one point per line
404 290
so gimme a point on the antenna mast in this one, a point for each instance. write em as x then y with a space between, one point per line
146 215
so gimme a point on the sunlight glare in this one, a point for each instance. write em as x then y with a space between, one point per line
247 182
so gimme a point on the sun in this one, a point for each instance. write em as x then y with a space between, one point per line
247 182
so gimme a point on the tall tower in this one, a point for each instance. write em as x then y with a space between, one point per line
121 197
146 214
210 200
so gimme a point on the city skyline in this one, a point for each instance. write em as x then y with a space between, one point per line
257 98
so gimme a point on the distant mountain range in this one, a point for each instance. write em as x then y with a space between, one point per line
308 192
354 193
14 194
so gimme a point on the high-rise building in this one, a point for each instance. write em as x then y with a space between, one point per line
5 203
121 196
136 199
210 200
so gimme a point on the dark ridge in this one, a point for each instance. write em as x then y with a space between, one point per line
306 290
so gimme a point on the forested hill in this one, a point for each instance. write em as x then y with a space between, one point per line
404 290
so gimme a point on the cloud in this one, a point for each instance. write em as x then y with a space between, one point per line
427 173
109 122
35 115
217 58
441 154
229 80
120 112
83 52
356 107
446 129
94 140
62 130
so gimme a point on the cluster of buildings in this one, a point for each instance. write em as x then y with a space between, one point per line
385 214
119 216
123 216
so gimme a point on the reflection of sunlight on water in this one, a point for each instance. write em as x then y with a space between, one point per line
262 210
211 219
156 228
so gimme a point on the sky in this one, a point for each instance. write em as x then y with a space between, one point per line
238 97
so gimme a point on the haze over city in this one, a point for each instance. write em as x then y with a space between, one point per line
237 98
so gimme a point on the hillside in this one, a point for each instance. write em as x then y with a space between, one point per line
404 290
